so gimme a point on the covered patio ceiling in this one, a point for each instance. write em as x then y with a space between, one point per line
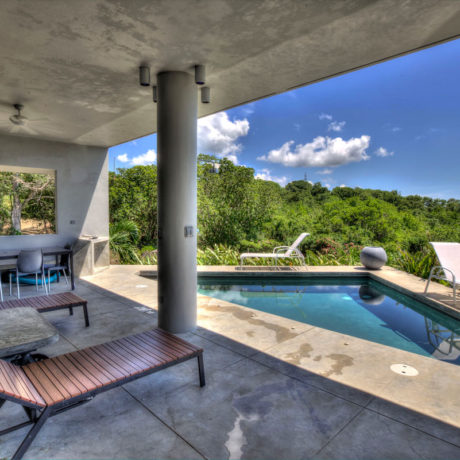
74 64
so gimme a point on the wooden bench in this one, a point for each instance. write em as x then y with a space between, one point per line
49 303
46 388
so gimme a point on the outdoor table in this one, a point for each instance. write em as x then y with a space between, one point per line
7 254
22 331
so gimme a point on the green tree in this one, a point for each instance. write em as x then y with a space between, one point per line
28 196
133 197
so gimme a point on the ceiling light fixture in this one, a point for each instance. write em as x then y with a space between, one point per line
206 95
200 74
144 75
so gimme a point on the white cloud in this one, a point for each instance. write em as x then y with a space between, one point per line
336 126
395 129
321 152
123 158
248 109
325 116
383 152
217 135
325 171
265 174
146 158
297 126
232 157
342 185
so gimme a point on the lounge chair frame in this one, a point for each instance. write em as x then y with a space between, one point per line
38 415
437 273
448 254
280 252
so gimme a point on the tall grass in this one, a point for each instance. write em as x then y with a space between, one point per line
418 263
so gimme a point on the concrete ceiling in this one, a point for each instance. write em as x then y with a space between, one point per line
74 64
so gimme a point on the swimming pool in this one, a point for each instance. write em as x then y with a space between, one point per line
359 307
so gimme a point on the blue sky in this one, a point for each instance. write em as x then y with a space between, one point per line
392 126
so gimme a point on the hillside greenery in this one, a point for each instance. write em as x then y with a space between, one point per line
237 212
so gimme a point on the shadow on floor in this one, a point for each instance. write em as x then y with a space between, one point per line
253 406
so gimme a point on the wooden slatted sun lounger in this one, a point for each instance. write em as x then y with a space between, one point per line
46 388
49 303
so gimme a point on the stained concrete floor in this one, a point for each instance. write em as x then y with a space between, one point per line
276 389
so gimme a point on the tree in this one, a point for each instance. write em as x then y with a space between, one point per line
230 208
133 196
29 193
238 212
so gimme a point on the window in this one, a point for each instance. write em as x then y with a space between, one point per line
27 202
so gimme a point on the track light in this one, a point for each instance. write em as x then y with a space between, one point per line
144 75
200 74
206 95
155 93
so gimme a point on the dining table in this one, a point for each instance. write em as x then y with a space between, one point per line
22 332
11 254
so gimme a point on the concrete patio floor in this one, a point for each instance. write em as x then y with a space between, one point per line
276 388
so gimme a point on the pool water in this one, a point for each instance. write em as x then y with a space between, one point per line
355 306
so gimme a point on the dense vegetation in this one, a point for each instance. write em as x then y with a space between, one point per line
237 212
27 203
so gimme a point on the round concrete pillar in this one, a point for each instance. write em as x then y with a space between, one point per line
176 147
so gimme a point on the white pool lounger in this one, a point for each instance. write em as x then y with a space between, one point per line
449 270
280 252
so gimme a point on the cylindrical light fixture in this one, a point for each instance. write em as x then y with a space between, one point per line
155 93
206 95
200 74
144 75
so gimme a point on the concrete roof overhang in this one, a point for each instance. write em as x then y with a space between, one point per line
74 64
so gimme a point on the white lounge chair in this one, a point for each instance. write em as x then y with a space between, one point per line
280 252
449 270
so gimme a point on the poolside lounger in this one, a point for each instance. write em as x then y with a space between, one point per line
449 270
49 303
280 252
46 388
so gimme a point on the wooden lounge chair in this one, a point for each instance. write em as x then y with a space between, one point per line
46 388
49 303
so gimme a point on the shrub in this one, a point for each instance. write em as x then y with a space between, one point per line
124 236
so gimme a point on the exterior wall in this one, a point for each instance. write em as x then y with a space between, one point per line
81 187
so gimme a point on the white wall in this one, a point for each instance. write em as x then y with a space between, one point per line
81 187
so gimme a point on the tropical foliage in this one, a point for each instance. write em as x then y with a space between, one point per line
124 236
237 212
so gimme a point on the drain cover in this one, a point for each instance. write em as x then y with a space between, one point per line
404 369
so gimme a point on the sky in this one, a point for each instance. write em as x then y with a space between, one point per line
392 126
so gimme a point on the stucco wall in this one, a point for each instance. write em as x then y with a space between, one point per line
81 187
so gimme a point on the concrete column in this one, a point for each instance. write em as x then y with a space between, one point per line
176 134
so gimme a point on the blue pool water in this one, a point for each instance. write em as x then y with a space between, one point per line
358 307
